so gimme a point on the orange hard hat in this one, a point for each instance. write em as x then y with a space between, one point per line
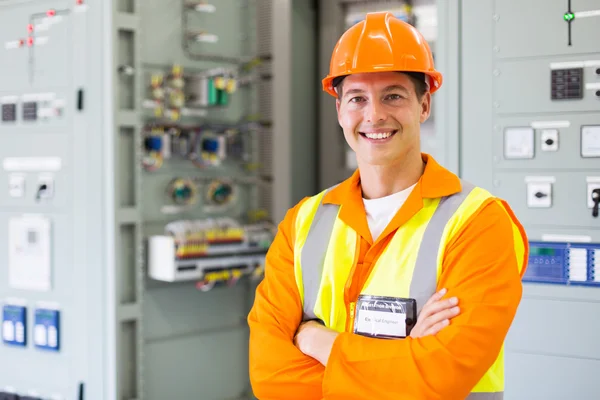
381 43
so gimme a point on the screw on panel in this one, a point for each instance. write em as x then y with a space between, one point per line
496 72
496 49
496 104
496 17
496 159
497 183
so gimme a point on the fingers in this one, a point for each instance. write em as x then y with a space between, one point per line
436 296
437 327
440 316
437 306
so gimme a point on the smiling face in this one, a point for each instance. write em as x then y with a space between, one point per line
381 114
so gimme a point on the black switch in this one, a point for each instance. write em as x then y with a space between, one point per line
80 99
540 195
596 200
8 396
549 142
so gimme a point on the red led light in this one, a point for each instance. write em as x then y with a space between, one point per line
30 28
51 13
30 41
21 43
79 2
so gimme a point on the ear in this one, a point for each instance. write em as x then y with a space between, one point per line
425 107
337 108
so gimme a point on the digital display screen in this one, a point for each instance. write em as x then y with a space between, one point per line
542 251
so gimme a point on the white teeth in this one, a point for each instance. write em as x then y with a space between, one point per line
378 135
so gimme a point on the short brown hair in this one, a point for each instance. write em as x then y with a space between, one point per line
418 79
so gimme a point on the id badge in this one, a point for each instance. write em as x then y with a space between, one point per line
385 317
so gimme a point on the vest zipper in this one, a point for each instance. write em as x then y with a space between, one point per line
350 326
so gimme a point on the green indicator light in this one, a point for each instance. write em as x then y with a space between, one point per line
569 16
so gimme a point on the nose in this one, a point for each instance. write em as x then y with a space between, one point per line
375 112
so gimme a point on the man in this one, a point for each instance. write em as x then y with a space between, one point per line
353 267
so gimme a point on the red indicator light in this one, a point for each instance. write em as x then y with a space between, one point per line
30 41
30 28
51 13
79 2
21 43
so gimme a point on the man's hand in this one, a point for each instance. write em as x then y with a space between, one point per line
435 315
315 340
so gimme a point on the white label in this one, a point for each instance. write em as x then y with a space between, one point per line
550 124
207 8
81 8
207 38
540 179
9 99
39 97
32 164
550 237
587 14
13 44
518 143
590 141
592 86
575 64
381 323
41 40
29 254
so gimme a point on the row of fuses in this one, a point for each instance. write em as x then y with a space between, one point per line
46 325
564 263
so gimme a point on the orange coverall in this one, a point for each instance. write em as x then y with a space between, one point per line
480 268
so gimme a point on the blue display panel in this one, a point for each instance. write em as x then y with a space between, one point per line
14 325
564 263
46 329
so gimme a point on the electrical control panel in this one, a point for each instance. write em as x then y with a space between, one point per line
530 112
147 153
564 263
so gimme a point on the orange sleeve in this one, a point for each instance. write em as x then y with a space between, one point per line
278 370
481 268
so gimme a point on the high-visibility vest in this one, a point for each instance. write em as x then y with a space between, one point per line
325 249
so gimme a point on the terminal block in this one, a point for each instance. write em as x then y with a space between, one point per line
208 250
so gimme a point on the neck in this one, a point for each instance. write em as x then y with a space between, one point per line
383 180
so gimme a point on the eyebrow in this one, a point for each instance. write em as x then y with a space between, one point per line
388 89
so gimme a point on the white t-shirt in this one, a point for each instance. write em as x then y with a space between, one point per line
381 211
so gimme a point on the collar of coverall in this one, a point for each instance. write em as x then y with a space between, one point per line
435 182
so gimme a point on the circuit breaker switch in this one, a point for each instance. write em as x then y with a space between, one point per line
539 192
549 139
45 188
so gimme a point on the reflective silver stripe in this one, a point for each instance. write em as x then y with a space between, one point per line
424 281
486 396
313 254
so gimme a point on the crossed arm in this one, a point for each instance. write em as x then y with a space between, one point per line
290 360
